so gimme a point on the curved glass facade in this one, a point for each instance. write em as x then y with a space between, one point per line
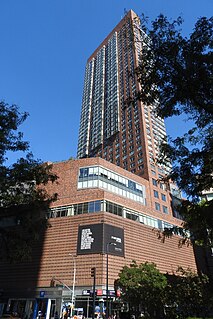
97 176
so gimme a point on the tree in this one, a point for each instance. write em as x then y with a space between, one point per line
176 75
23 199
142 286
157 295
187 294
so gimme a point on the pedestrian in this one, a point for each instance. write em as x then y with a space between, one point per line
65 313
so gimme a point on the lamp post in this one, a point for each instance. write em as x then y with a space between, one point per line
107 277
73 283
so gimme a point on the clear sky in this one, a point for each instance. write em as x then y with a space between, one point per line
44 46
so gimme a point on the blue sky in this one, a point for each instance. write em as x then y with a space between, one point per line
44 48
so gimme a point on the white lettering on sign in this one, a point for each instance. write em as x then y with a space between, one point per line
86 239
117 239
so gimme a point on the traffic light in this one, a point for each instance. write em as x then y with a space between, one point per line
93 271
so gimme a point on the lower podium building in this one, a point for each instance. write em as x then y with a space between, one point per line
104 218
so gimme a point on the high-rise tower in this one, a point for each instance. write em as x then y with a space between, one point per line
114 124
104 215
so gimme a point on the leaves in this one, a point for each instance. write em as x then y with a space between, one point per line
179 295
176 75
10 139
142 285
23 198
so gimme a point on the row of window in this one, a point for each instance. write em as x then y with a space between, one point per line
156 195
110 207
94 171
158 208
96 176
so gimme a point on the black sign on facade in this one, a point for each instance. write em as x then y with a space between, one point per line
99 239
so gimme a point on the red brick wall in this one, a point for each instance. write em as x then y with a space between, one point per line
141 244
68 193
51 256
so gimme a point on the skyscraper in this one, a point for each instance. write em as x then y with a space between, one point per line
114 124
105 216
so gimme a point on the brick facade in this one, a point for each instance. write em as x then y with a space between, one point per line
51 257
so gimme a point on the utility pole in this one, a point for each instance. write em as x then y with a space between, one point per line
93 274
107 278
73 283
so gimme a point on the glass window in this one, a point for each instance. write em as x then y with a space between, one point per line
162 186
163 197
97 206
85 184
86 171
154 182
90 183
95 183
131 185
165 210
109 180
120 210
85 208
128 216
160 224
63 213
91 207
156 195
91 171
157 206
80 184
81 172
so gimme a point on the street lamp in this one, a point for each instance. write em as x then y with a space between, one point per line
73 283
107 277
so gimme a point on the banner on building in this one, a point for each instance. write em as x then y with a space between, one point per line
100 239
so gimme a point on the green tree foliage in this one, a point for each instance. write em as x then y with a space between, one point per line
143 287
187 294
23 199
157 295
176 75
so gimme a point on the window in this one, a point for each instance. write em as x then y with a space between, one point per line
132 216
95 206
162 186
163 197
156 195
165 210
157 206
103 178
114 208
154 182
